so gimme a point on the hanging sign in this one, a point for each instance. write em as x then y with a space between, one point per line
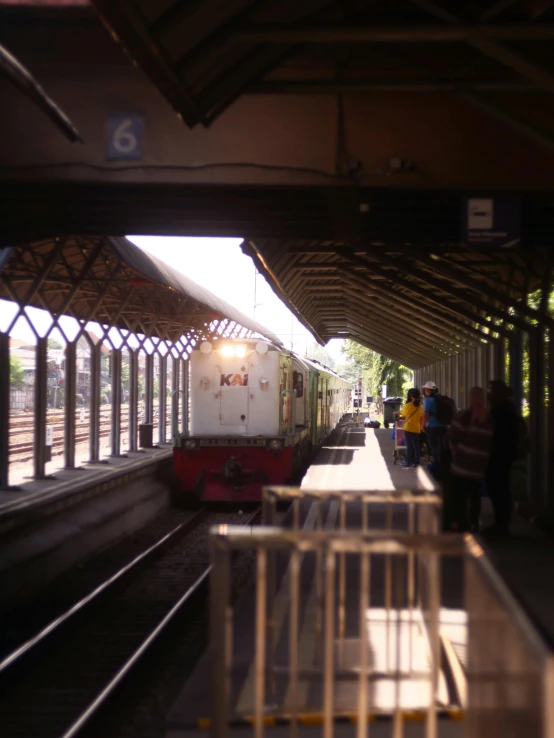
491 222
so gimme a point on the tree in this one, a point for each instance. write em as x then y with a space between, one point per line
321 354
17 373
52 343
375 370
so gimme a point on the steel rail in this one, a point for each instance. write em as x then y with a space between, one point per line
25 648
118 678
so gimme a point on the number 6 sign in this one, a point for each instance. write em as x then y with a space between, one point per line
124 136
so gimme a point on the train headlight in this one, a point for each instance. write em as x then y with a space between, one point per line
240 352
227 351
274 445
190 444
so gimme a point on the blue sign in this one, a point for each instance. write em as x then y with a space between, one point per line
492 223
125 136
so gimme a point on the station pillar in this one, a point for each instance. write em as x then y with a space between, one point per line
133 399
4 408
94 402
115 360
70 403
41 402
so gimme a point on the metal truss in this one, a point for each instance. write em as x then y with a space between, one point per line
134 319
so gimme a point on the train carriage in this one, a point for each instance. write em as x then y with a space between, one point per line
257 412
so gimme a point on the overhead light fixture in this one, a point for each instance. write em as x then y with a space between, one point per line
227 351
240 351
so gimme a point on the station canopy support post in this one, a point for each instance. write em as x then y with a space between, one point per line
4 408
94 402
162 405
115 360
70 402
41 402
133 399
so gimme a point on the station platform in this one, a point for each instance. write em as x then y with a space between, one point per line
49 525
355 458
358 458
67 486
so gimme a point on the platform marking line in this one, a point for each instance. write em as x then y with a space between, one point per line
316 718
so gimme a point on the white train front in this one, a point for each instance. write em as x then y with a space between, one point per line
257 412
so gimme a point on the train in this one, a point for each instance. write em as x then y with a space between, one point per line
257 412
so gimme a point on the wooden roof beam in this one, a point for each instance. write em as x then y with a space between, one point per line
332 87
283 34
406 324
393 336
433 314
440 303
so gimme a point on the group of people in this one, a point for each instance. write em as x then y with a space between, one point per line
471 452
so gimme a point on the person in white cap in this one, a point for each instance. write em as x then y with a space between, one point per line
430 424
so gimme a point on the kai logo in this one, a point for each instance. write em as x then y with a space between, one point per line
233 380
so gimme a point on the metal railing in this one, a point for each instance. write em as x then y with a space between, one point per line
510 670
355 671
384 660
415 511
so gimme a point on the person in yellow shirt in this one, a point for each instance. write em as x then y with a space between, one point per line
412 412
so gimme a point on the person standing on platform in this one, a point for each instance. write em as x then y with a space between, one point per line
504 452
412 412
471 434
430 424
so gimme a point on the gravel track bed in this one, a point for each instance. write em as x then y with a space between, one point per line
71 669
23 623
146 699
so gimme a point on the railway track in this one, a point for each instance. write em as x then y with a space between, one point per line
23 450
62 679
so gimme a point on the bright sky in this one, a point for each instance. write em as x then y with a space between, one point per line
217 264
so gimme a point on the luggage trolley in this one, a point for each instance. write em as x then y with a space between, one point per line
399 439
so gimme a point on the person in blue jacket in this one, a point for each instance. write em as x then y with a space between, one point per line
430 425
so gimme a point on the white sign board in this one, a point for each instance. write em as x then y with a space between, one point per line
49 435
480 214
384 392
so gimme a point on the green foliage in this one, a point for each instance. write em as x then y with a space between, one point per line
52 343
321 354
125 371
375 369
17 373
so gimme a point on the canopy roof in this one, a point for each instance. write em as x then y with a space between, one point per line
113 282
412 304
203 55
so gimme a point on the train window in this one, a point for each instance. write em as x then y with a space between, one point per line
298 383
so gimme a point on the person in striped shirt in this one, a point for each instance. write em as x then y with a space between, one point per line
471 435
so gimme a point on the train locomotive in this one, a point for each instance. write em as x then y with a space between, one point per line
257 413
